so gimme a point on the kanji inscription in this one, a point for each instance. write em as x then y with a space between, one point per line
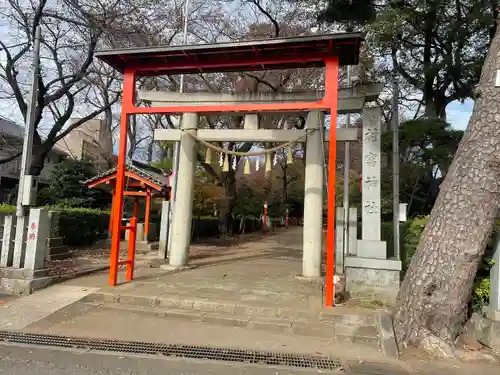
371 134
371 207
371 159
370 182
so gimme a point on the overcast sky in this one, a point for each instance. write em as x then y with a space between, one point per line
458 114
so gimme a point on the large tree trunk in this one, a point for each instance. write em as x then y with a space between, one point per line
284 186
226 209
39 153
432 304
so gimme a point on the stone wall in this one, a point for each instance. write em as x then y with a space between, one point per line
55 243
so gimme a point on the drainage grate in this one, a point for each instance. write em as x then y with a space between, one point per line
183 351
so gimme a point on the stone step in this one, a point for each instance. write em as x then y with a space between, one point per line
61 256
59 252
367 335
338 315
54 242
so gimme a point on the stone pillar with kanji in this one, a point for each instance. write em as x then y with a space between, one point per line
369 273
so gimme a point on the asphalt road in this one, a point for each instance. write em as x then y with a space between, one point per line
28 360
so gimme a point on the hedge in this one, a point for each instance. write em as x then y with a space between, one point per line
206 227
85 226
82 226
7 209
77 226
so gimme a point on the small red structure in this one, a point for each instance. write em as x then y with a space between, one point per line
141 180
329 51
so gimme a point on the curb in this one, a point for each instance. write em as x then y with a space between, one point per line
367 335
236 309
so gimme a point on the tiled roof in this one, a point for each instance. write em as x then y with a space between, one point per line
152 174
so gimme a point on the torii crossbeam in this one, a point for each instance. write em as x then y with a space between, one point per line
328 51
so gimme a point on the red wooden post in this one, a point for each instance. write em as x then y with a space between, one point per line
135 209
127 105
331 95
146 216
110 228
264 219
132 237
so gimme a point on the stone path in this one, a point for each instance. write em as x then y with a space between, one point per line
261 273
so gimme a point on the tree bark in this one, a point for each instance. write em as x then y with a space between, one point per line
432 304
226 211
39 153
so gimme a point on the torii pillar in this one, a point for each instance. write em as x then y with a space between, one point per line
313 197
183 209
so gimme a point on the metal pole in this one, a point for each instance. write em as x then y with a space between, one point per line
29 124
347 167
395 165
185 36
177 149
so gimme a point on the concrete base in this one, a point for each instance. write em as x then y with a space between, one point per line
485 330
309 278
23 286
491 313
152 234
373 279
21 273
20 282
371 249
146 247
169 267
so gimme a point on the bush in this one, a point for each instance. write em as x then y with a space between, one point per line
208 226
7 209
414 229
77 226
204 227
82 226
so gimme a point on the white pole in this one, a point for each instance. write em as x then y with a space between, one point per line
347 167
22 218
175 161
29 123
395 167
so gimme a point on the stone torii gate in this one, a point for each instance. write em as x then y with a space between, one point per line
351 100
329 51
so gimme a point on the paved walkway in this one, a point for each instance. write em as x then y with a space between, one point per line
20 312
261 274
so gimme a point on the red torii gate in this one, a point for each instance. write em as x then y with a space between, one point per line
330 51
